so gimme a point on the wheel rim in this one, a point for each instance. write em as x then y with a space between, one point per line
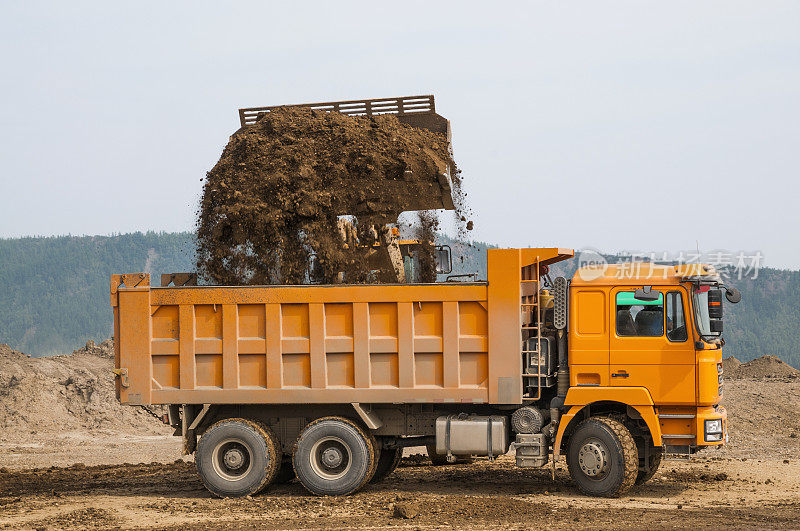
594 459
331 458
232 459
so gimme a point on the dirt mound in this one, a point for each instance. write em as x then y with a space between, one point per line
103 350
273 201
64 393
729 365
766 367
10 353
762 418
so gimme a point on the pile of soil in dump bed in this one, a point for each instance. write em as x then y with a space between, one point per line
766 367
274 198
65 393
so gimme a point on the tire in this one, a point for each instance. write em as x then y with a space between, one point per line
285 472
602 457
237 457
387 462
441 459
643 476
376 455
333 456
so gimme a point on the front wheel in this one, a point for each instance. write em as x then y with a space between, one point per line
602 457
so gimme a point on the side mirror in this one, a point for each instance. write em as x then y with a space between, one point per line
715 304
715 325
444 260
733 295
646 294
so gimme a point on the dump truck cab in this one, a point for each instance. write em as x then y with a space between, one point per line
645 343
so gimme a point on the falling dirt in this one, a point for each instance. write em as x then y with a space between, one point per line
272 204
428 223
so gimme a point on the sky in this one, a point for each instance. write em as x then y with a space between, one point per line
621 126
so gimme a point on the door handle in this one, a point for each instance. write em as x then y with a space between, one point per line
620 374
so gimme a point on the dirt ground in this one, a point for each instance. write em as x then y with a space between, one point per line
708 492
130 480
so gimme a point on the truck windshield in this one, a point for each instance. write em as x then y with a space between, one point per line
700 303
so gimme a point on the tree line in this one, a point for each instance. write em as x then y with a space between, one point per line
54 291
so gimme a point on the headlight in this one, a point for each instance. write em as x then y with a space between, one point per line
713 429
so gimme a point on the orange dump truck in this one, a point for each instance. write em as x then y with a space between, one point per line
328 383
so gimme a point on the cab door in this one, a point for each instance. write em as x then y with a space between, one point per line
649 344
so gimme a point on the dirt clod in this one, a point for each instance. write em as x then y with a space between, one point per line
406 510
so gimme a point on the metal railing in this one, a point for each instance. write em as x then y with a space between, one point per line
400 106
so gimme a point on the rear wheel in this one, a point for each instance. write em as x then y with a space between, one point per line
602 457
387 462
441 459
237 457
333 457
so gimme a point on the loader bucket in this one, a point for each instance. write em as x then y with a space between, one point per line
416 111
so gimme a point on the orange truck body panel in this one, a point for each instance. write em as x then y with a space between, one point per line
422 343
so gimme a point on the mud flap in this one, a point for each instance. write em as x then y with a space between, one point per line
190 422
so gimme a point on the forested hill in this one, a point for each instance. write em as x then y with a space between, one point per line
54 291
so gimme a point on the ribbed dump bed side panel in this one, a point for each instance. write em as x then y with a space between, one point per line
307 344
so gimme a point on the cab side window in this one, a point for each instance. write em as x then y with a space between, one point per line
675 320
637 318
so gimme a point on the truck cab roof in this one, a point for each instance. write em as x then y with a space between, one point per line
639 273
